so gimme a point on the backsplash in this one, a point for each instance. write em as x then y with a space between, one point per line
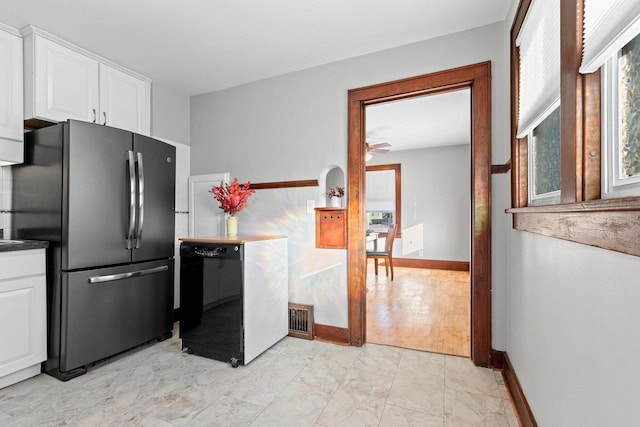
5 202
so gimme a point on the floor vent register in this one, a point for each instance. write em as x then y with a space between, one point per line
301 321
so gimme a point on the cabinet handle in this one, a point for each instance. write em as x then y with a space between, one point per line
95 117
105 118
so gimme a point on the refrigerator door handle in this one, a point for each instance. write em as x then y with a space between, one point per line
132 201
138 273
140 225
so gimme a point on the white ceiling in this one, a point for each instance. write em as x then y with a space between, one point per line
197 46
421 122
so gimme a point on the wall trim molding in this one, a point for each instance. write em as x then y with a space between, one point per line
433 264
497 359
520 404
284 184
332 334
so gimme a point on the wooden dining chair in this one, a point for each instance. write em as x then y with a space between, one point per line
386 254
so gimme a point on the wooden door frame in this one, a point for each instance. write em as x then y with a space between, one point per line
477 78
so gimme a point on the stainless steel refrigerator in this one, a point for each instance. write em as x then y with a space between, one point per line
104 198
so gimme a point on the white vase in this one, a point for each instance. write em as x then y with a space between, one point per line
232 226
336 202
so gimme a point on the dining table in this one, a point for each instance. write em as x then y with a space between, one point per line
372 236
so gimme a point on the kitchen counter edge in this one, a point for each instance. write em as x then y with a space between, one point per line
22 245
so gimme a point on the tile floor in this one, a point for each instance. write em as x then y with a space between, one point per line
295 383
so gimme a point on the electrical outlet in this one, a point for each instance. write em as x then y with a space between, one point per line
311 204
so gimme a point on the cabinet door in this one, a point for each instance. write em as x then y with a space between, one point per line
10 87
124 100
66 83
23 310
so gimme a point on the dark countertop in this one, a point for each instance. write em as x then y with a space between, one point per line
22 245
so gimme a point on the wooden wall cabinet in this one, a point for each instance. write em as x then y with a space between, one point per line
331 228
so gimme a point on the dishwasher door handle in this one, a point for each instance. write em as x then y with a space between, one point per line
121 276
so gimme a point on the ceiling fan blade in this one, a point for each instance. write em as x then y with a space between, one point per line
380 145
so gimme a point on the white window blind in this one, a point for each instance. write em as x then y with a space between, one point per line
539 43
608 26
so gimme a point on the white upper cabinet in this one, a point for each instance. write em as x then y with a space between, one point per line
11 133
124 100
63 81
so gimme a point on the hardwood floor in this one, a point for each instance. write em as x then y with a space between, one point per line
421 309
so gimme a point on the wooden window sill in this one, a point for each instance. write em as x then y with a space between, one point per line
612 224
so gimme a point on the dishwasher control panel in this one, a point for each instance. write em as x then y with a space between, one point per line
210 250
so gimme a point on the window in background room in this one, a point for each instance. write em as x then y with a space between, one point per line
380 200
383 202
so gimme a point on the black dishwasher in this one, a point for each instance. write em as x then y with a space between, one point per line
211 277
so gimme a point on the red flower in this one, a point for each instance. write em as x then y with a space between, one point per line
232 197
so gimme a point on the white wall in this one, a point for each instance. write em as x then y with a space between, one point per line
169 114
573 325
291 127
436 193
315 275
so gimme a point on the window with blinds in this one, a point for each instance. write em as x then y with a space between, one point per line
538 44
612 41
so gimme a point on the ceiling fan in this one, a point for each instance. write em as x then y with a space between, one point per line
382 147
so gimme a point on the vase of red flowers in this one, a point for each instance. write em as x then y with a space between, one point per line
233 198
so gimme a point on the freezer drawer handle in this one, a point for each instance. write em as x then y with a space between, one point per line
112 277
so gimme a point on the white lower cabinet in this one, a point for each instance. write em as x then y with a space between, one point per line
23 324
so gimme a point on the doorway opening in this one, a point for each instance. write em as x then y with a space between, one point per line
477 78
420 181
